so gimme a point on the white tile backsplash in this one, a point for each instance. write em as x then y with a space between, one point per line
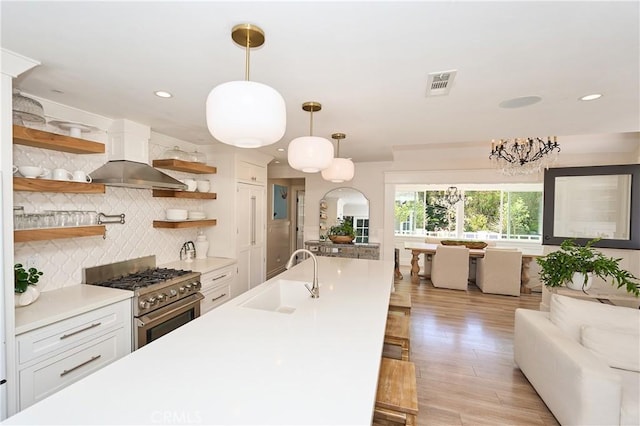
63 260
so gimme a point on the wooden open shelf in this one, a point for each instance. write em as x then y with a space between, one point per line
47 140
168 224
48 185
184 166
24 235
184 194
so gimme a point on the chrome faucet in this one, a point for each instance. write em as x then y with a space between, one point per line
315 288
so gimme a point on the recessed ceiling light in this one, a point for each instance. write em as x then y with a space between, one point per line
520 102
163 94
280 149
591 97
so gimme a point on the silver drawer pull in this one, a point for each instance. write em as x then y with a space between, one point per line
219 297
65 372
220 277
94 325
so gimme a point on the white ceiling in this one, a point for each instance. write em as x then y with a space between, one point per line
366 62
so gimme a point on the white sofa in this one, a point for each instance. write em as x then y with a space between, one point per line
583 359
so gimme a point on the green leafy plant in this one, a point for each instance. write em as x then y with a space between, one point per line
24 278
342 227
557 268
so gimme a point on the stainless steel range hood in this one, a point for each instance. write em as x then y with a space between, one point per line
129 155
132 174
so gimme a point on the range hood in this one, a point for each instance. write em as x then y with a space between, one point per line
132 174
128 163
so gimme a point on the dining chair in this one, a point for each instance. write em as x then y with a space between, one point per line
499 271
450 267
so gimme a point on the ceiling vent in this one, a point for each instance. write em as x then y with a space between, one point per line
439 83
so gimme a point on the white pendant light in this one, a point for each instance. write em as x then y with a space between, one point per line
310 154
246 114
341 169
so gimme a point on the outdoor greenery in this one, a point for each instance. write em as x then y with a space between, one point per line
500 212
23 278
558 267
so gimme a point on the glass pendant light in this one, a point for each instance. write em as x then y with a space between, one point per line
341 169
246 114
310 154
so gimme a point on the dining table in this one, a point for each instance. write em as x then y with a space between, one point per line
429 249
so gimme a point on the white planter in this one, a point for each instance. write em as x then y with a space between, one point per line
577 282
28 297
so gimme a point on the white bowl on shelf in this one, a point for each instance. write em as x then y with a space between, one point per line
176 214
196 215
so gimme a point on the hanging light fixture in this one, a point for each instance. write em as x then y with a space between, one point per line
246 114
341 169
310 154
451 196
522 156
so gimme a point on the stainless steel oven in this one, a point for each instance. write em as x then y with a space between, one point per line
157 323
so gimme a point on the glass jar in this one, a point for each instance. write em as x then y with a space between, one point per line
176 154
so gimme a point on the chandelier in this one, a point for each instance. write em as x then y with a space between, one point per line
341 169
522 156
245 113
451 196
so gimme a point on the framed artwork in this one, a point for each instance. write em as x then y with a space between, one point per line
280 199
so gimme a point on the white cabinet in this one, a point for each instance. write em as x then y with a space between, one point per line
251 173
251 233
54 356
217 287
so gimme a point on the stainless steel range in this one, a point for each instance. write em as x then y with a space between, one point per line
164 299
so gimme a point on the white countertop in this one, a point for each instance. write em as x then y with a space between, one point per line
201 265
66 302
236 365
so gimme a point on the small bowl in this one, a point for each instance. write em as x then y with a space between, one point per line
30 171
176 214
196 215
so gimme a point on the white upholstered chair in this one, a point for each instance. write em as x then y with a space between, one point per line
499 271
450 267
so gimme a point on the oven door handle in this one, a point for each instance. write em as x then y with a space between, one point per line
160 315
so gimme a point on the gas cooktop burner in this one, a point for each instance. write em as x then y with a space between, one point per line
143 278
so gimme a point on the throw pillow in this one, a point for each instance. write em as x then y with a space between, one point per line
570 314
619 348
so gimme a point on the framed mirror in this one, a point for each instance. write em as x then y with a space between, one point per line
593 202
348 204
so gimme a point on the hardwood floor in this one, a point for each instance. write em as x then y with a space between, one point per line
462 345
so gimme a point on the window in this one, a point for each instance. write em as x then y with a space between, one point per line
501 212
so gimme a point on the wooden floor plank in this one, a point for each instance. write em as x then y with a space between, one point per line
462 346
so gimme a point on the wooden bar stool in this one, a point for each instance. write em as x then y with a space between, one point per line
397 333
397 394
400 302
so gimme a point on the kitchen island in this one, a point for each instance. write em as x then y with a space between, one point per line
315 363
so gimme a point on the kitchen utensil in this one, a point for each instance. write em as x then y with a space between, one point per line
62 174
191 184
204 185
26 109
81 176
176 214
75 129
175 154
32 171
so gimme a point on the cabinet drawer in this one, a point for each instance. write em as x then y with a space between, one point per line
49 376
65 334
215 297
218 277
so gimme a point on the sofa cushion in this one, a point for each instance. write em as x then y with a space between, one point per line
570 314
619 348
629 407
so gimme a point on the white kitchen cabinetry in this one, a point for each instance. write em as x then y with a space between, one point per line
251 212
218 287
53 356
251 173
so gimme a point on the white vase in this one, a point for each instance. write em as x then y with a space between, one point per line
30 295
577 281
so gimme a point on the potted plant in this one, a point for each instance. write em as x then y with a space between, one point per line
342 232
24 284
575 266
